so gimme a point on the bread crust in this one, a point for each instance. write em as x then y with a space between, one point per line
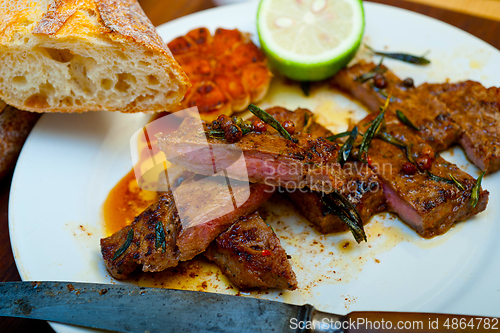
119 21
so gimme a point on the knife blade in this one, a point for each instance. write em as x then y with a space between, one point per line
126 308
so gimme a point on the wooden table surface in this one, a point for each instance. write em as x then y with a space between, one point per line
164 11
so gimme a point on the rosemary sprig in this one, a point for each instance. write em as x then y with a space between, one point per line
270 120
460 186
215 134
344 209
474 198
371 74
160 237
452 180
345 151
439 179
409 58
219 133
338 136
371 132
306 87
392 140
382 92
125 245
308 122
406 121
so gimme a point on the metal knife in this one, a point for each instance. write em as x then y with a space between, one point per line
125 308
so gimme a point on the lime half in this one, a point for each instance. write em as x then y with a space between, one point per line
310 40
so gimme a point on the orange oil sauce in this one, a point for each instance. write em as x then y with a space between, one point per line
124 202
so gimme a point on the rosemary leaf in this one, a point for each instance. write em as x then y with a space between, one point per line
341 207
219 134
370 133
345 151
406 121
409 155
382 92
371 74
270 120
160 237
439 179
457 183
245 130
215 134
308 122
306 87
409 58
474 198
338 136
392 140
125 245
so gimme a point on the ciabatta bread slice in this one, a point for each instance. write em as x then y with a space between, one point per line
85 55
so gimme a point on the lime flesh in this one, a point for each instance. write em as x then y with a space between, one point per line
310 40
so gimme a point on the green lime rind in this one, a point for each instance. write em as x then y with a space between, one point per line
311 71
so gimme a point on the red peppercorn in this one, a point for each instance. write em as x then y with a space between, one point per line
232 133
369 160
266 253
289 126
380 81
216 125
224 121
259 126
424 162
409 168
408 83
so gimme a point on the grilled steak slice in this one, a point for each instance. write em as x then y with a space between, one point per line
186 233
426 111
362 188
142 249
464 112
269 158
429 206
198 231
251 256
477 110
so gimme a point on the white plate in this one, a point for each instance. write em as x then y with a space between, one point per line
71 161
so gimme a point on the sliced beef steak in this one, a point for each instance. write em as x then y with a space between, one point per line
362 187
477 110
268 157
142 249
251 256
466 112
200 218
429 206
426 111
166 233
